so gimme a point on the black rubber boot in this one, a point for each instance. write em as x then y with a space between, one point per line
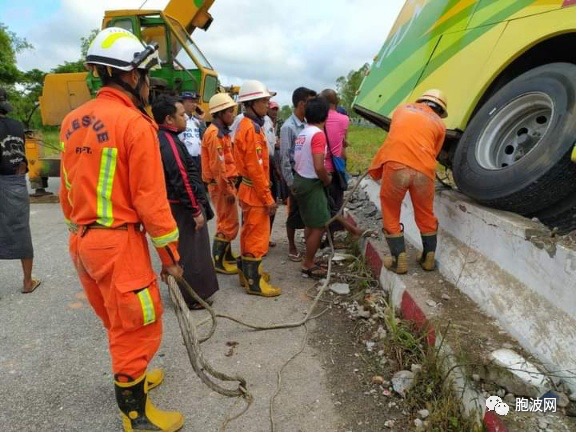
137 411
427 259
241 277
256 281
229 257
221 265
398 262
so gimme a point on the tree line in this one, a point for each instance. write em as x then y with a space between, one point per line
25 87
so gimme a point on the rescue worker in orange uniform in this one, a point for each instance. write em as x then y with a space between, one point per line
256 201
113 192
406 161
219 172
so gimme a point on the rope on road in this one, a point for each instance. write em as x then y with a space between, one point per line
190 334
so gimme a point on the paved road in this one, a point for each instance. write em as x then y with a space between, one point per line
55 366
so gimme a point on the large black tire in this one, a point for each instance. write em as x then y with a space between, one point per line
515 152
561 215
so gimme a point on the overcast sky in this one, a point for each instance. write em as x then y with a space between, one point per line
285 44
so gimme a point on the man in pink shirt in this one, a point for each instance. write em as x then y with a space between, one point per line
336 128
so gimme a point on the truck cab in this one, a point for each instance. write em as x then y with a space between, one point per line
183 68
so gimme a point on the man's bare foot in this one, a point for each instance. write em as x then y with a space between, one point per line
31 286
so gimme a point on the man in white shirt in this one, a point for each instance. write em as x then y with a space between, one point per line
195 126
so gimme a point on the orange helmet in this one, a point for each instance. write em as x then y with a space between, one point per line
438 97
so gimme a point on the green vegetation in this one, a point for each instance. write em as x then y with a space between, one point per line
364 143
406 345
51 138
348 85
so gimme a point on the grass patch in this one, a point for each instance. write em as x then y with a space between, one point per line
50 136
364 143
404 346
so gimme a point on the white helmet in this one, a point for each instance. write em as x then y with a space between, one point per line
120 49
252 90
220 102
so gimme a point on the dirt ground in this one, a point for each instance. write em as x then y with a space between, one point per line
363 406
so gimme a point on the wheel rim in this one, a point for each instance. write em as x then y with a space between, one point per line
515 131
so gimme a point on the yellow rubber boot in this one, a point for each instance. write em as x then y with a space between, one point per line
256 282
154 378
137 411
398 262
427 259
230 257
242 278
219 249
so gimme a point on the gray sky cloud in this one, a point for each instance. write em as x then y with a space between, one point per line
285 44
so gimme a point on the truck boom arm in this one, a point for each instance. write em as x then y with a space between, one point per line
191 14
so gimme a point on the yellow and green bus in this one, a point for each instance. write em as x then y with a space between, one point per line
508 68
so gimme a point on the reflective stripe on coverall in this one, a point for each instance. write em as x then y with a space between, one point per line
219 171
406 161
251 157
111 175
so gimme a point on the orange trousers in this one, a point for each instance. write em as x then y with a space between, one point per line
226 213
255 231
115 270
397 179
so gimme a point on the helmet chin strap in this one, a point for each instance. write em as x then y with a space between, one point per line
134 91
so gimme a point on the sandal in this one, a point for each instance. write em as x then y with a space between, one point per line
271 243
198 306
35 284
297 257
315 272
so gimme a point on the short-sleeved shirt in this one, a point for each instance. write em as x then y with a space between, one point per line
288 134
192 136
415 138
234 126
12 152
311 141
270 132
336 128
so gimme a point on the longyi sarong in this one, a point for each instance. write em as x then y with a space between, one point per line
15 237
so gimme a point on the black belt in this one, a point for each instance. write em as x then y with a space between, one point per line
83 229
96 225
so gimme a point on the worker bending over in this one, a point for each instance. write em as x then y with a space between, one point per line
406 161
113 192
256 201
219 172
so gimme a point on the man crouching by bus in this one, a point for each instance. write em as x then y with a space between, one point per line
406 161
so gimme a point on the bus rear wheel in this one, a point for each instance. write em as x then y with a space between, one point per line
515 152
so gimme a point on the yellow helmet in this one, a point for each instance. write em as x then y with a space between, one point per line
438 97
220 102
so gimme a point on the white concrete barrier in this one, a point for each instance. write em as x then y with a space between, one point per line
513 270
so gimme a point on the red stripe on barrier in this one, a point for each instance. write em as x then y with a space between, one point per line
493 423
373 259
411 311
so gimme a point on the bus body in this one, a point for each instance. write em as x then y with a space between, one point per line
503 66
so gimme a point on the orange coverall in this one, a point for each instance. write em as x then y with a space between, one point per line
252 162
406 161
112 183
219 171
